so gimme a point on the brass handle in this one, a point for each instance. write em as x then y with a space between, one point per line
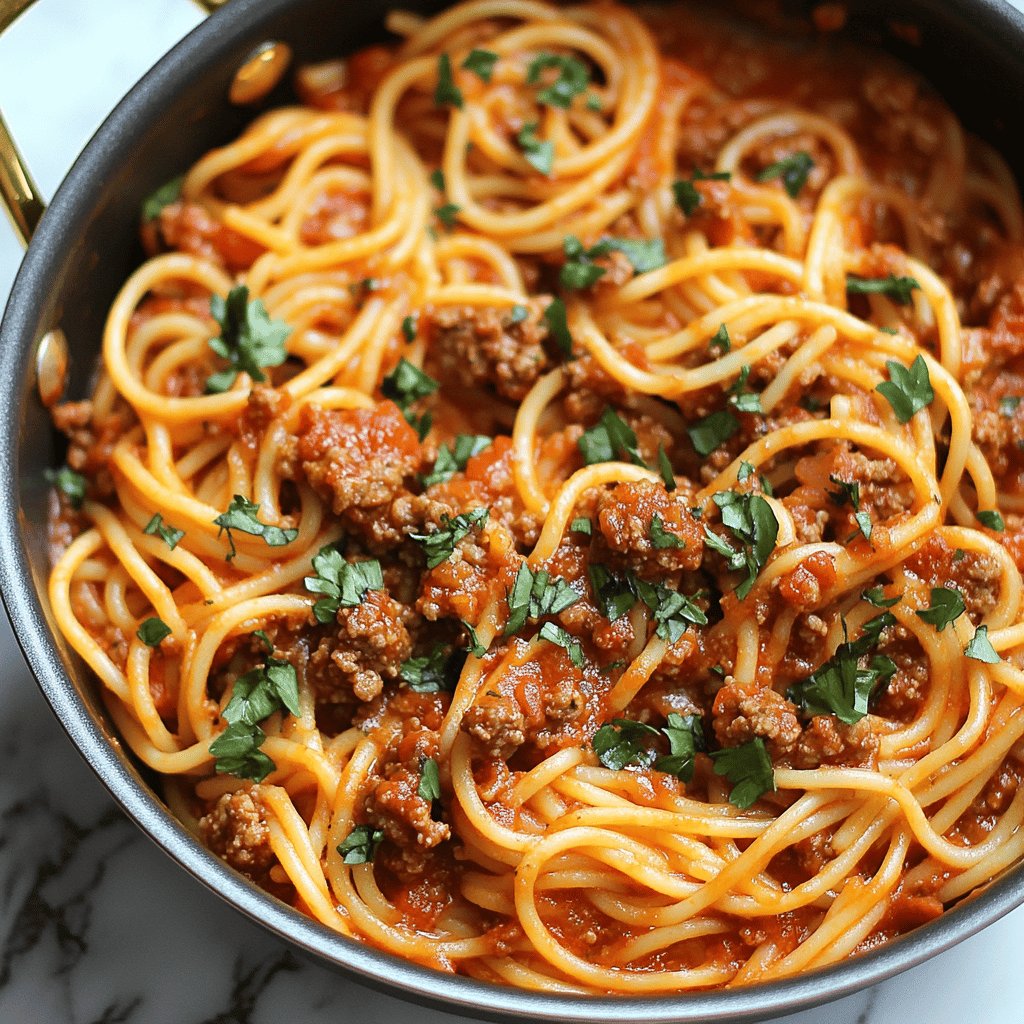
18 192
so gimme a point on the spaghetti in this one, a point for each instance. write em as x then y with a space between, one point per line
542 514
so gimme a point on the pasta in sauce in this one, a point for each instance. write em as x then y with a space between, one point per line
552 503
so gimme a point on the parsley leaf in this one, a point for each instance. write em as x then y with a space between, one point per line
749 768
581 524
685 737
864 523
740 398
876 596
713 430
687 197
662 538
69 483
896 288
644 254
536 594
840 686
409 328
1008 404
947 606
793 170
980 647
258 694
360 845
557 323
720 341
573 79
908 391
241 516
610 438
429 788
475 648
621 743
446 93
249 340
673 612
848 492
665 468
168 534
447 214
539 153
560 637
992 519
405 385
481 63
153 631
451 460
169 192
237 752
435 672
579 270
612 594
517 314
751 520
440 545
345 584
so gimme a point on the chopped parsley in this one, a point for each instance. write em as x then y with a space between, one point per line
475 648
848 492
573 79
685 737
662 538
168 534
249 340
452 459
612 593
360 845
447 94
447 214
481 63
557 323
518 313
992 519
622 742
749 768
713 430
440 545
751 521
893 287
429 788
241 516
153 631
435 672
69 483
673 612
344 584
908 391
409 328
579 271
876 596
255 696
536 594
947 605
1008 405
665 469
840 686
154 203
864 524
609 439
405 385
741 399
560 637
720 341
980 647
687 197
539 153
236 751
581 524
793 170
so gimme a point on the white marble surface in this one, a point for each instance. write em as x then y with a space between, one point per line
97 926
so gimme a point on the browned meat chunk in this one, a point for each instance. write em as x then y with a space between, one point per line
498 724
647 529
357 459
92 442
188 227
484 347
236 830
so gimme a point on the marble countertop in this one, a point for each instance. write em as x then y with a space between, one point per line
97 926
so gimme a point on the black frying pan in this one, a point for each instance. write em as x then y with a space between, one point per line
86 245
